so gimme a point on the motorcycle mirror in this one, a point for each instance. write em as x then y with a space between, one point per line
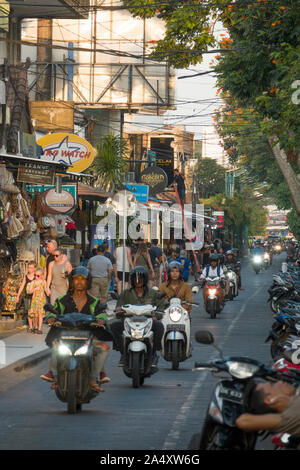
204 337
49 308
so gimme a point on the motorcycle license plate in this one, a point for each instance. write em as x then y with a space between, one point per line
232 395
175 327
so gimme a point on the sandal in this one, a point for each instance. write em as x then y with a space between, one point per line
96 387
30 330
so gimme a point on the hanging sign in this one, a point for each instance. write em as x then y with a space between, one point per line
69 149
155 178
57 203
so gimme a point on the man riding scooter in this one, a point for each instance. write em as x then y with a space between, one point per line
211 271
78 300
138 294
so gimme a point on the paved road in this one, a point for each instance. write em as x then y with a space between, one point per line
163 414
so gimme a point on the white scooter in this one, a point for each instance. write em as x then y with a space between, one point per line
176 342
138 342
232 278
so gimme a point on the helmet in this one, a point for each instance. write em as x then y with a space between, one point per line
221 258
174 265
235 250
229 252
136 273
213 257
81 271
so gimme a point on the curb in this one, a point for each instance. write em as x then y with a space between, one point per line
27 362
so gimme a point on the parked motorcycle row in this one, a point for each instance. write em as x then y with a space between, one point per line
231 396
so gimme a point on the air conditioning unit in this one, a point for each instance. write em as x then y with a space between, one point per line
129 177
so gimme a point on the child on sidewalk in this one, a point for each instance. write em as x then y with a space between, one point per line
28 278
38 289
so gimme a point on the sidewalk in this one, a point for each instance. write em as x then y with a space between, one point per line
23 348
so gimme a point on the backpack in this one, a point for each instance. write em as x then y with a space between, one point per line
218 270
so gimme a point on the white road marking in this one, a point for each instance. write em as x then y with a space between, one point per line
174 434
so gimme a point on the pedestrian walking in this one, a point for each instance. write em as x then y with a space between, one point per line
57 280
101 270
27 279
142 258
38 289
121 267
156 256
179 181
113 261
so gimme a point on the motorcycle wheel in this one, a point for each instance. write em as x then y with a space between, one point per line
71 393
136 379
276 346
208 436
230 293
175 355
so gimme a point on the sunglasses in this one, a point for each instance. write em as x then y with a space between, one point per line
56 256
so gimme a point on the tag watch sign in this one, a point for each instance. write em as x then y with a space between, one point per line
69 149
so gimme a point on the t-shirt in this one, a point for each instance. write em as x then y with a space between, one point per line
155 252
290 418
99 266
186 264
212 273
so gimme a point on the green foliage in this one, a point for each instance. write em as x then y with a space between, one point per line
109 162
210 178
188 30
293 221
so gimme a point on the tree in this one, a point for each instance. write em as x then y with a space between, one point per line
210 178
261 74
188 28
109 164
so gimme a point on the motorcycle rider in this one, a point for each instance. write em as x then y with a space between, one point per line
138 294
213 270
275 407
77 299
176 287
233 264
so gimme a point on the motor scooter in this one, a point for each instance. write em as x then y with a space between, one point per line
213 304
231 276
257 262
138 342
176 342
74 357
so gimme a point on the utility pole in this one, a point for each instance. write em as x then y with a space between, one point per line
44 56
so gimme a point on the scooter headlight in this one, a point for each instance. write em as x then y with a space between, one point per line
175 314
241 370
266 256
63 350
257 259
82 351
212 291
137 334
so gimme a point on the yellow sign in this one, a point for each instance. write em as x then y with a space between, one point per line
69 149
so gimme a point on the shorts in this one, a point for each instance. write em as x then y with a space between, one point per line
120 276
100 286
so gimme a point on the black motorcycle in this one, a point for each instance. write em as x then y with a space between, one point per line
229 400
74 355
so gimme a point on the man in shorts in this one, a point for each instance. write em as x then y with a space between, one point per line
101 270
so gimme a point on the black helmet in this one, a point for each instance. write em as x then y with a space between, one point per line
174 265
213 257
81 271
221 258
136 272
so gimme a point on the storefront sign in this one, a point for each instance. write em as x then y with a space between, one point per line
35 175
40 188
141 191
57 203
69 149
155 178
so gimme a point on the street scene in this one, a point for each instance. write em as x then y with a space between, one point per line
149 226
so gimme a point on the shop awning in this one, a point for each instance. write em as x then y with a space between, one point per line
88 193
